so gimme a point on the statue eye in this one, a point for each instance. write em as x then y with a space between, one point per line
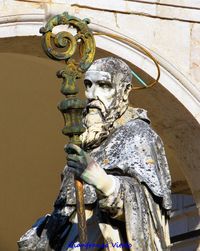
104 85
87 83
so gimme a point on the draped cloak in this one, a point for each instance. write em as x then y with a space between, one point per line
135 155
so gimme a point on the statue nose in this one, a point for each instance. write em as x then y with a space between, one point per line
92 93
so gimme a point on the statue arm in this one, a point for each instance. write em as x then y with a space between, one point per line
82 165
140 165
114 203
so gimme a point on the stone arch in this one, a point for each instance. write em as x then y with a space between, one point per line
172 81
171 78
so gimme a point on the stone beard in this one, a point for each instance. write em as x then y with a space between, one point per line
98 118
97 128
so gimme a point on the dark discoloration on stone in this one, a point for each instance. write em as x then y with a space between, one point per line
114 66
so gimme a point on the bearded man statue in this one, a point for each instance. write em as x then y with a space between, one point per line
125 171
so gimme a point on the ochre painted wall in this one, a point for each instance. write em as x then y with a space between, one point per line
31 149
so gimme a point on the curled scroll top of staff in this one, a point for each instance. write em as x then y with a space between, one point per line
63 46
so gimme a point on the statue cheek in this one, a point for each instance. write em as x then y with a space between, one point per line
111 102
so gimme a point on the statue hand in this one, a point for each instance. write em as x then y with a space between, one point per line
83 166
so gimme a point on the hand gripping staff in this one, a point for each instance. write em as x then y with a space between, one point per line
62 46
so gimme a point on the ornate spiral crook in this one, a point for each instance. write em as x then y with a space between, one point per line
52 43
62 46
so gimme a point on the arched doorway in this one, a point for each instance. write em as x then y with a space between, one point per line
32 144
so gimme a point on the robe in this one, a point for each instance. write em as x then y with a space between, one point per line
136 213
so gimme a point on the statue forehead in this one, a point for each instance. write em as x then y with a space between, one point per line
111 65
103 69
94 75
119 71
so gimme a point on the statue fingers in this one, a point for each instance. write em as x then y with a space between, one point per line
74 164
73 149
74 157
80 160
77 172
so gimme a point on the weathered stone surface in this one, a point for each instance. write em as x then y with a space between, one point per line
195 53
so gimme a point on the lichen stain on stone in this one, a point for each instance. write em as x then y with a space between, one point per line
150 161
106 161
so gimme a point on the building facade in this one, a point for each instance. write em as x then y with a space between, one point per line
169 30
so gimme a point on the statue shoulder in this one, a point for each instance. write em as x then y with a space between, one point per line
138 128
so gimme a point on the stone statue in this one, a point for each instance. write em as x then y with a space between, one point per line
124 167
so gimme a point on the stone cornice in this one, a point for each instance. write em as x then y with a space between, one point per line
23 10
163 12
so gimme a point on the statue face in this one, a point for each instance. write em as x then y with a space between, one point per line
108 83
99 86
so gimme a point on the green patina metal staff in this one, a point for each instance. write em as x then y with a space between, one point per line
62 46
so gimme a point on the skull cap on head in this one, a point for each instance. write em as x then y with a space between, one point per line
114 66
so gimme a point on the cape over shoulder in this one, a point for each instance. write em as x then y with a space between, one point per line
135 150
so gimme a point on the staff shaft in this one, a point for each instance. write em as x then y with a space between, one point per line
80 208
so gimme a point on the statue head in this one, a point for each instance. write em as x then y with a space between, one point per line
107 84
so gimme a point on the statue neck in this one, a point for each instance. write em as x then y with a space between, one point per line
131 114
